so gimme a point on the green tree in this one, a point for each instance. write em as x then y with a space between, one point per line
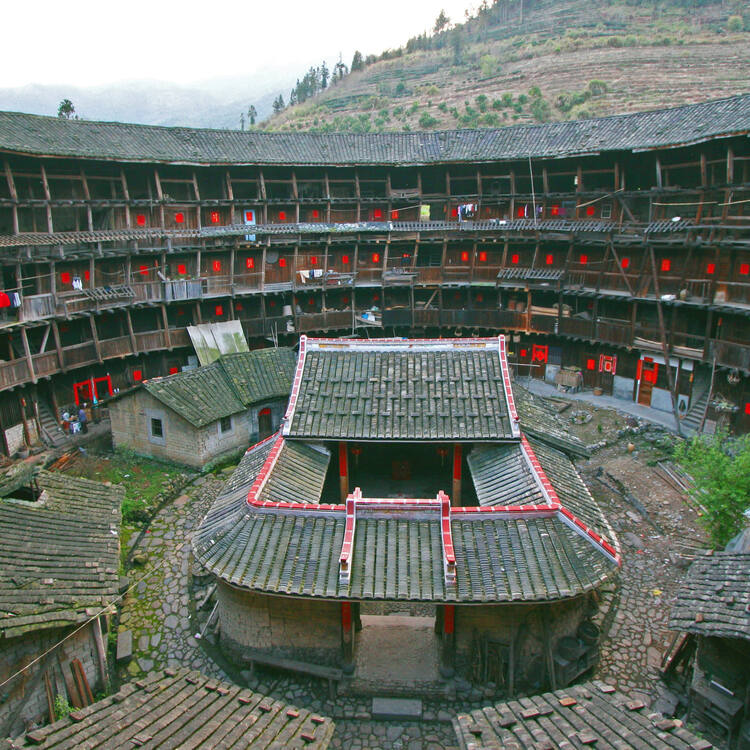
66 110
252 114
357 62
278 104
720 468
735 23
441 22
324 75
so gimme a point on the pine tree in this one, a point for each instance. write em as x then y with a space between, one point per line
357 63
441 22
324 75
278 104
252 113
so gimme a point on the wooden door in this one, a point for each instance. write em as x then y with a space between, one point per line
649 371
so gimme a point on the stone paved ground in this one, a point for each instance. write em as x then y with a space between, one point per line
158 611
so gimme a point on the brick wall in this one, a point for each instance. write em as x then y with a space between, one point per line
131 421
23 702
305 629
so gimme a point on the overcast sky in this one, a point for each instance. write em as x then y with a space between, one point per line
94 42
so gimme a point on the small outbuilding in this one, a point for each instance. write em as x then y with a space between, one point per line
197 416
712 611
59 555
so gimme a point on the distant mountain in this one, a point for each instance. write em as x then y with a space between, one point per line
216 103
526 61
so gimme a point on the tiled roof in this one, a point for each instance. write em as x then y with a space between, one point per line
503 476
540 420
587 715
260 374
692 123
570 488
181 709
227 386
400 390
397 554
59 555
298 474
498 559
714 598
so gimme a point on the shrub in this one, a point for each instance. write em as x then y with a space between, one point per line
62 707
615 41
481 102
735 23
488 66
497 104
597 87
720 468
507 99
443 106
522 99
427 121
490 120
541 110
535 92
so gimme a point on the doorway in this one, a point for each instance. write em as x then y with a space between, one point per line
265 426
649 371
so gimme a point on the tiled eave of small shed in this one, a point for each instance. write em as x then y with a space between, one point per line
662 128
410 390
714 598
59 556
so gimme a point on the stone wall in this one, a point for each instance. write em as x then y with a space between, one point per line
304 629
182 443
24 700
522 622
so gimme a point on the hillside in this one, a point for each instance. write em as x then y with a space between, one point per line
523 61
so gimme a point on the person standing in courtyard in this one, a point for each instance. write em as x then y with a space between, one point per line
83 419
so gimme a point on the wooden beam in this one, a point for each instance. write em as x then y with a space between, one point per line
95 337
45 185
664 344
27 354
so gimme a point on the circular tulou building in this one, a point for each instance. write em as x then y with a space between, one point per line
613 252
404 473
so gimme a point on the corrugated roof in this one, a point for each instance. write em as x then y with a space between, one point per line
588 715
59 556
226 386
54 136
179 709
714 598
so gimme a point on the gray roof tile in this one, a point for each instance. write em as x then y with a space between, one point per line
59 556
587 715
179 709
714 598
104 140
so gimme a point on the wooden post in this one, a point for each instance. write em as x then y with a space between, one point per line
26 432
343 471
95 338
347 638
101 656
456 489
447 660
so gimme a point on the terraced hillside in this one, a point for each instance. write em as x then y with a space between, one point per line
535 60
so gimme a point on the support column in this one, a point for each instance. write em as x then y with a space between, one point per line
344 471
347 638
447 657
456 489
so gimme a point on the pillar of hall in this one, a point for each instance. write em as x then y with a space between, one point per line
344 471
448 646
456 489
347 638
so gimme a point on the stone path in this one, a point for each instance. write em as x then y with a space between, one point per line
157 609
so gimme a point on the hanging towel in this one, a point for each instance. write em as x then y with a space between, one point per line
15 299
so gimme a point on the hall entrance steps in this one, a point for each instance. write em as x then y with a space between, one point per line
694 417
